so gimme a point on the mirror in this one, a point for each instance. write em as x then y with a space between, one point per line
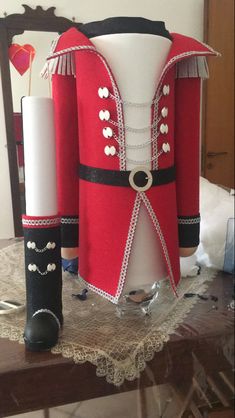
29 24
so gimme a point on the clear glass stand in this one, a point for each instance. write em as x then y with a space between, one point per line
138 301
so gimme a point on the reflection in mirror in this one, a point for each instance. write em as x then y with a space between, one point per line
27 83
34 20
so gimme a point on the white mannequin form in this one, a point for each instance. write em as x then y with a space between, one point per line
136 61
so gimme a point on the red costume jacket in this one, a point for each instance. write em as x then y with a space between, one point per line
106 211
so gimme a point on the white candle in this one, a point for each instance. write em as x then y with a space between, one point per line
39 156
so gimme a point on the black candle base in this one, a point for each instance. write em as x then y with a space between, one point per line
43 282
41 332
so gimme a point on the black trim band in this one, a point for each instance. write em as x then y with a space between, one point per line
189 235
121 178
124 24
69 231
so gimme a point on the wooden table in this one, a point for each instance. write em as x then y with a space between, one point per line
30 381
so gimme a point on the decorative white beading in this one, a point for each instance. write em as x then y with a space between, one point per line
189 221
40 222
69 221
50 267
31 245
160 235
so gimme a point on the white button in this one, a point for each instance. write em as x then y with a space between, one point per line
166 147
51 245
164 128
103 92
32 267
51 267
31 244
164 112
107 132
110 150
166 89
104 115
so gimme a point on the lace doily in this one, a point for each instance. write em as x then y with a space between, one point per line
119 348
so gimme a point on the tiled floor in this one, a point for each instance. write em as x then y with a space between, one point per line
124 405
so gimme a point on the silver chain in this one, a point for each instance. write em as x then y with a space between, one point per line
136 105
137 130
129 160
139 146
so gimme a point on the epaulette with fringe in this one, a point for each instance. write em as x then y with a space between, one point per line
62 64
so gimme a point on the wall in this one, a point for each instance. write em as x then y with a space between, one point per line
6 216
184 16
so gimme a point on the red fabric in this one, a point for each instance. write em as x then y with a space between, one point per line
187 136
105 211
67 158
92 141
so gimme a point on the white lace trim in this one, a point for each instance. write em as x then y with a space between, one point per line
189 221
100 292
49 312
40 222
155 132
69 221
160 235
109 364
116 371
129 242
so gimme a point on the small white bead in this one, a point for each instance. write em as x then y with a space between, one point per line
103 92
31 244
107 132
110 150
164 128
104 115
50 245
166 147
164 112
51 267
166 90
32 267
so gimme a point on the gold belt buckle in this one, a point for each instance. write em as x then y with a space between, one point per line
136 176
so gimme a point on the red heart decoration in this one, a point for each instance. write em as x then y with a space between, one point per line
21 56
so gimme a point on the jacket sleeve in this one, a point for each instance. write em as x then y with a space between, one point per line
187 159
67 158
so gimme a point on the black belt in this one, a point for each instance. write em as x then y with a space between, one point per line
140 178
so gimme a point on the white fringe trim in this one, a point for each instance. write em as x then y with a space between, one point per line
63 64
192 67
